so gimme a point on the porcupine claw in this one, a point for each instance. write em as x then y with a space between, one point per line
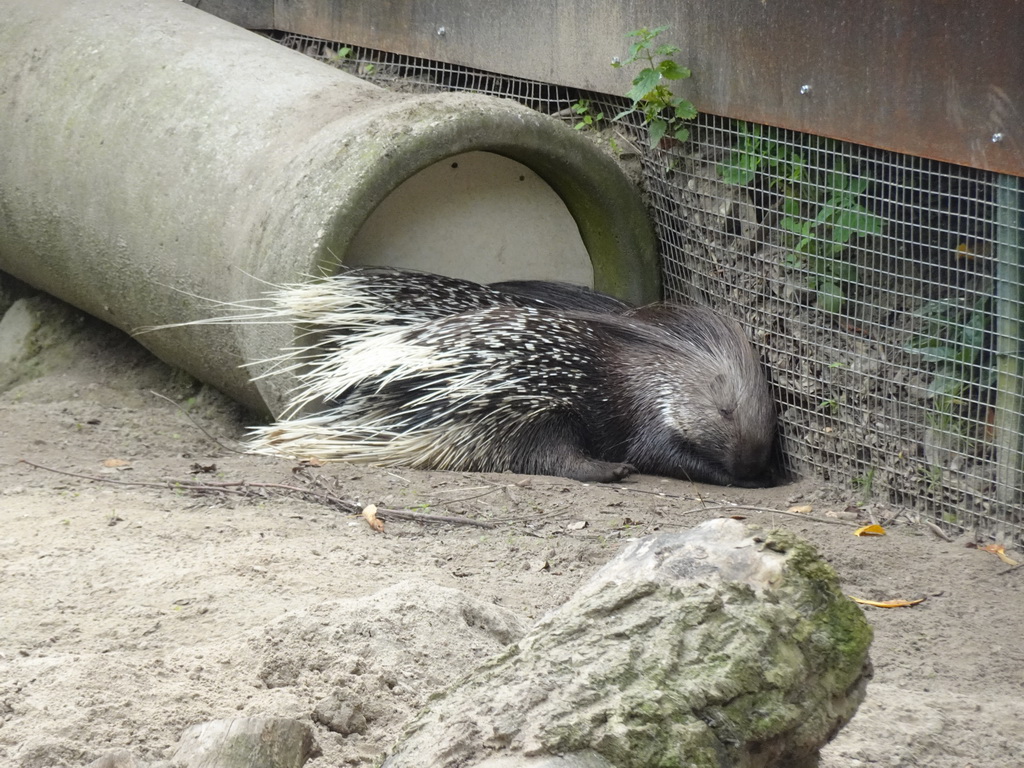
622 471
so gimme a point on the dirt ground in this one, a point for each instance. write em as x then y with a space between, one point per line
133 607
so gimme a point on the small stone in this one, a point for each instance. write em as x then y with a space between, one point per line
338 714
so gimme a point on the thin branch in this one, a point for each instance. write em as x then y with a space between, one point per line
196 424
244 488
403 514
768 510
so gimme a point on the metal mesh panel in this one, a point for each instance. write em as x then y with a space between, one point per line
885 292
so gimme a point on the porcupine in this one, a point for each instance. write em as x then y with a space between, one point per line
405 368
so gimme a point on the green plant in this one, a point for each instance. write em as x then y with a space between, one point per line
760 151
823 238
587 118
341 54
663 113
831 405
951 337
821 210
865 483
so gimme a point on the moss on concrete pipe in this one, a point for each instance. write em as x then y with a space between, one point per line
155 157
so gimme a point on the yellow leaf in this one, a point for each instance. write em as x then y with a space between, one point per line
803 509
887 603
870 530
115 463
370 515
999 551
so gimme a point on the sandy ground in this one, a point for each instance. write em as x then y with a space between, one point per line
132 608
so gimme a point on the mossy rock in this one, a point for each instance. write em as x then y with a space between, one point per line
719 646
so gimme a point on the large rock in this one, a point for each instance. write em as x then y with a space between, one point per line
713 647
246 742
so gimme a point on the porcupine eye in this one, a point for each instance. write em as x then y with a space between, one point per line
727 413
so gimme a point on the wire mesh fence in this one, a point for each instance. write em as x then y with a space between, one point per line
885 291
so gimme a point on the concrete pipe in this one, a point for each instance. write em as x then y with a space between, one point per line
156 157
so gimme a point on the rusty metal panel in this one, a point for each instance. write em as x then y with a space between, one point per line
938 79
252 14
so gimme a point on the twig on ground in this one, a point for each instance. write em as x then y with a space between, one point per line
247 488
404 514
663 494
476 495
768 510
196 424
937 531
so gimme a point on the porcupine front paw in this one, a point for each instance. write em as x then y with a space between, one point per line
602 472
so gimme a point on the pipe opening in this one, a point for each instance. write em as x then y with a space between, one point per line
478 216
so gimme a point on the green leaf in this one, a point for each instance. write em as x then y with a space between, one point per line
855 221
657 129
643 84
740 169
871 224
857 186
806 244
792 207
824 214
796 226
682 134
830 297
794 261
840 237
796 169
685 110
666 50
734 174
843 271
946 386
634 51
672 71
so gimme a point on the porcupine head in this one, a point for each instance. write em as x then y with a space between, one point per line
702 411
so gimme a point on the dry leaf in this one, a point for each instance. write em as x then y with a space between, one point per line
370 516
579 525
802 509
116 463
999 551
888 603
870 530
